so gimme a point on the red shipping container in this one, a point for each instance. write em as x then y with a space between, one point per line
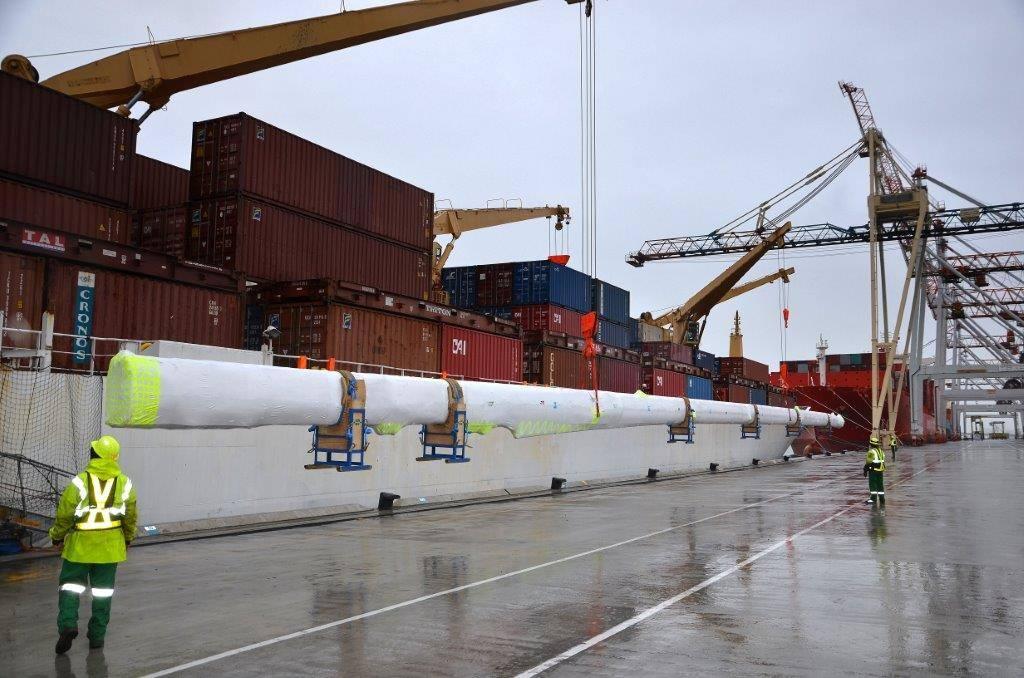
163 230
555 366
733 393
364 340
21 297
238 153
548 318
471 354
657 381
136 307
53 139
49 209
668 350
271 243
618 375
157 184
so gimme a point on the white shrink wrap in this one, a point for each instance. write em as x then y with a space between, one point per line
143 391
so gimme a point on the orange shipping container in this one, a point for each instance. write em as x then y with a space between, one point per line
363 339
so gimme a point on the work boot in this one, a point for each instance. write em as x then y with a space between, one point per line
95 644
869 501
67 636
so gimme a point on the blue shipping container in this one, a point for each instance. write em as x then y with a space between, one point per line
758 396
699 388
634 331
522 283
612 334
450 280
551 283
466 293
610 301
705 361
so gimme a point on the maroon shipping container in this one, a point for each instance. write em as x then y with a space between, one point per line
274 244
555 366
86 251
50 138
744 367
494 284
21 297
618 375
657 381
667 350
127 306
238 153
776 399
548 318
157 184
163 230
472 354
49 209
733 393
363 339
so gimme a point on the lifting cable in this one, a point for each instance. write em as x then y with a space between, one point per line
588 137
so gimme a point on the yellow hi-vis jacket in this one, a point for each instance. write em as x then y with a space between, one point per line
96 515
876 459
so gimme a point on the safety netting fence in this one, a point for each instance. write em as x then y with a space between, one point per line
46 422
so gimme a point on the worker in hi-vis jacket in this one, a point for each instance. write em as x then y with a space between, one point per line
874 468
95 522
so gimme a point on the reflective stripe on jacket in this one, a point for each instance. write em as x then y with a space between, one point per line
96 515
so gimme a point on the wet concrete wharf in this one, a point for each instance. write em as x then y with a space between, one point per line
777 570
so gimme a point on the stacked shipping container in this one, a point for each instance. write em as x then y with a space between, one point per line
369 330
69 177
52 140
240 154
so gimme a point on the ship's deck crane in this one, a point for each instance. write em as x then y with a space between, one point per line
154 73
687 322
455 222
668 323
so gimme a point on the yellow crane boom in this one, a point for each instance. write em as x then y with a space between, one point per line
154 73
782 273
686 320
455 222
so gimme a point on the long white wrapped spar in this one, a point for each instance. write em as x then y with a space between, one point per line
148 392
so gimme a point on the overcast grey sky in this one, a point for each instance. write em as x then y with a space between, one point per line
705 109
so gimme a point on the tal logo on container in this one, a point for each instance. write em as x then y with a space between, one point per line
43 240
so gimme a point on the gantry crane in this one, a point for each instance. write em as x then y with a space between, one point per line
687 322
455 222
154 73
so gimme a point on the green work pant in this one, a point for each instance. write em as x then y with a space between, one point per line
76 579
875 485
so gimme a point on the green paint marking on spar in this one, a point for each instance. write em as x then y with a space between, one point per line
132 391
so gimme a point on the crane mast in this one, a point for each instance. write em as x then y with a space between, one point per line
455 222
688 320
154 73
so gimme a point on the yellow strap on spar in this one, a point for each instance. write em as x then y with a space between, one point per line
97 504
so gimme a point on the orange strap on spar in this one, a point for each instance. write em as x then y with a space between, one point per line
589 326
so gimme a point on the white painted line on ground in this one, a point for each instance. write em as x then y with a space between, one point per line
397 606
651 611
